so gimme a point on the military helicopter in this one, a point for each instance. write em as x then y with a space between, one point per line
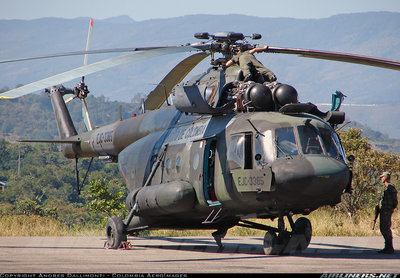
226 151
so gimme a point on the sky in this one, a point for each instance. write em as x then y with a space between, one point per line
140 10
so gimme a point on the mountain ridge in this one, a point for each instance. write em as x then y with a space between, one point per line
371 34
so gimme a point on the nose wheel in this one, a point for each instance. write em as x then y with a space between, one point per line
272 244
282 242
303 233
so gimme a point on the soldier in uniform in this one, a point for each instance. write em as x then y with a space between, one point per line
388 204
251 66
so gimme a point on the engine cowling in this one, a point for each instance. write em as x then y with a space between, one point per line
284 94
259 96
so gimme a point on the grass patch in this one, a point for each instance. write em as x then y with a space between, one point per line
325 222
34 225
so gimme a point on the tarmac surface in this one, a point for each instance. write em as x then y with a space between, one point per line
193 255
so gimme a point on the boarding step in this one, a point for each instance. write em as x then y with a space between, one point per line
212 216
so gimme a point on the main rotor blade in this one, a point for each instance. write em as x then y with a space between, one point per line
337 56
77 53
95 67
159 95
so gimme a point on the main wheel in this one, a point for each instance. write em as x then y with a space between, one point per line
115 232
272 245
303 231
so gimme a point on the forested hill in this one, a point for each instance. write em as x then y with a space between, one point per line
32 117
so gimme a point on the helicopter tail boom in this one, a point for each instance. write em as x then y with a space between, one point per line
108 140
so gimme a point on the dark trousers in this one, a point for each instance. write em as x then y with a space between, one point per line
385 222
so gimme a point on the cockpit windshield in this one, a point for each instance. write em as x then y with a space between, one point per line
271 144
285 142
309 140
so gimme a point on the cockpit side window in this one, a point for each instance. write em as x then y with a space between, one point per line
285 142
339 146
331 143
240 152
236 152
309 140
265 150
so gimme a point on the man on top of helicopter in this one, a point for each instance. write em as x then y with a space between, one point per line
250 66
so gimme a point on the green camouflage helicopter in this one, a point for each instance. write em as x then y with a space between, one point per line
228 149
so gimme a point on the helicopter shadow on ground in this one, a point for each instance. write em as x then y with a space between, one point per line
315 250
335 251
206 245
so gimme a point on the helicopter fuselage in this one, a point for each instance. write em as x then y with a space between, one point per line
180 167
235 145
258 164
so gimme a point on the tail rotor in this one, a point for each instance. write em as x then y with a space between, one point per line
81 90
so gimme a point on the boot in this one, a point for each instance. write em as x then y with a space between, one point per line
388 248
218 236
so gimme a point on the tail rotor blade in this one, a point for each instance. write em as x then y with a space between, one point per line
88 41
85 111
68 99
85 115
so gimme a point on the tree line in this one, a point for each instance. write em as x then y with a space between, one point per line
41 181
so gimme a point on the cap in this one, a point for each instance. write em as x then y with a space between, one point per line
385 174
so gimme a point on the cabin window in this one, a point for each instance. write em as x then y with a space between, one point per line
196 160
240 152
285 142
309 140
178 164
168 166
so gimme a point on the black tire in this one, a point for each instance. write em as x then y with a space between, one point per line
272 245
303 230
115 232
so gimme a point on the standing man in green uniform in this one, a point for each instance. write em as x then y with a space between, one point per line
388 204
251 66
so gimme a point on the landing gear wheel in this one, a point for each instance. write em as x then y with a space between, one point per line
303 231
115 232
272 244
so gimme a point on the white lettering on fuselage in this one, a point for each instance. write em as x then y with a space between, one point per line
185 132
104 137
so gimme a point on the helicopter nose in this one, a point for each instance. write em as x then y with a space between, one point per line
310 180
